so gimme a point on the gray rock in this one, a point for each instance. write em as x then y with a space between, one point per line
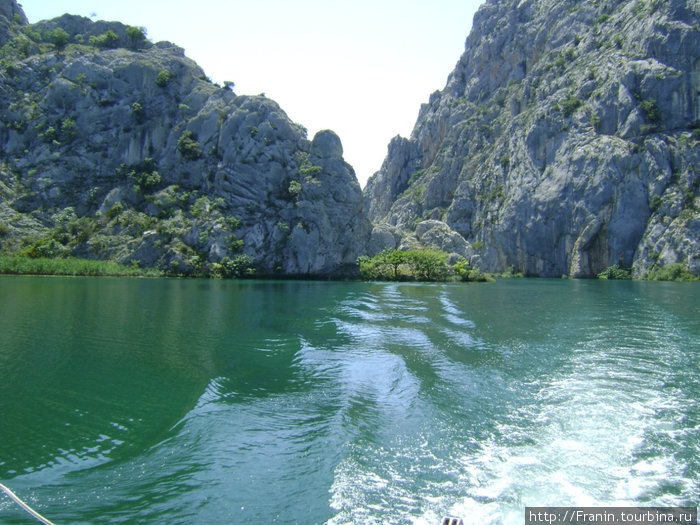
12 17
565 140
326 144
438 235
195 168
384 236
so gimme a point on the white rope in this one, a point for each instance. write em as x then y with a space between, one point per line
26 507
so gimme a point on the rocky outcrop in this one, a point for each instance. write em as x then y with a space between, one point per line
11 19
566 140
115 147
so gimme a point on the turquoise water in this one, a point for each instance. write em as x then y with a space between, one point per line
186 401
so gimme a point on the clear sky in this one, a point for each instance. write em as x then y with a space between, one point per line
359 67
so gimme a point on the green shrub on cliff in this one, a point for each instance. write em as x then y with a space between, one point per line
650 110
570 104
137 35
107 40
188 146
294 188
139 112
164 77
59 38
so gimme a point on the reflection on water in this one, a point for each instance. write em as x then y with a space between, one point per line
168 401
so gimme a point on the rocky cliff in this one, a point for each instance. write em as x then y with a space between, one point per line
117 148
566 140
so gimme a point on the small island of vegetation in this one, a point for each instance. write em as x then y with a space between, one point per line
417 265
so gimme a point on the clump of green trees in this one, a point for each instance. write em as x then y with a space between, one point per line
232 268
616 272
417 265
672 272
107 40
467 273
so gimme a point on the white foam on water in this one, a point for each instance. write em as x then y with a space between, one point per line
595 431
583 453
453 314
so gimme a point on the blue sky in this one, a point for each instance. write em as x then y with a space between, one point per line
359 67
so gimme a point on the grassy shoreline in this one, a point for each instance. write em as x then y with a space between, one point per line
70 266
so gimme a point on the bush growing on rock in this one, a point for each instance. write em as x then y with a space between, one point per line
570 104
139 112
136 36
148 181
294 188
59 38
201 207
115 210
308 169
107 40
650 110
47 247
188 146
164 77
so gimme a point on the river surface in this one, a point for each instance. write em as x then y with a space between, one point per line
189 401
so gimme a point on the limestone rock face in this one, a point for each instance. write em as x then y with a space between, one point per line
438 235
566 140
123 149
11 19
326 145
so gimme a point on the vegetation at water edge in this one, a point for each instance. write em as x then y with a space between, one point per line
417 265
616 272
672 272
22 265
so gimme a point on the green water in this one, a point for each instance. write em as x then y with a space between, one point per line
184 401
